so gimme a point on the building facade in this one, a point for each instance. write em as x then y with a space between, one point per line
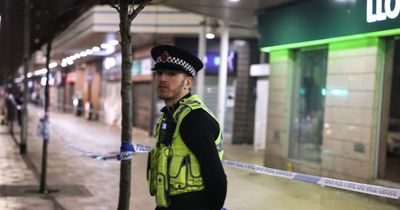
89 50
334 88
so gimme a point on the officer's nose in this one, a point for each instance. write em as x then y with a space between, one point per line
161 75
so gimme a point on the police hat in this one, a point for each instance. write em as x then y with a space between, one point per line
168 57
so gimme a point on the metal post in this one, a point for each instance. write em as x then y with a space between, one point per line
43 174
90 114
222 74
11 115
202 55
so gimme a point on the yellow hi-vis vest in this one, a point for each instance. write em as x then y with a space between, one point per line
174 169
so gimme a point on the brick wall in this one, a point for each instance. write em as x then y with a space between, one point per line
243 124
278 108
349 118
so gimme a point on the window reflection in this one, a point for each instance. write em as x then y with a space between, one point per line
307 112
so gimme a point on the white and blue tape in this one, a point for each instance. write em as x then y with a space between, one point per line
127 151
362 188
323 181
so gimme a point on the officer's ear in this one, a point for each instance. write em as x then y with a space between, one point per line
188 82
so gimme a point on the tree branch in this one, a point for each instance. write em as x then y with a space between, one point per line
137 10
131 9
115 7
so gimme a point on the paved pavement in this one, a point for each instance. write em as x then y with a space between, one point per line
77 182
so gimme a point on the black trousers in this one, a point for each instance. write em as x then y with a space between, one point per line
188 201
184 208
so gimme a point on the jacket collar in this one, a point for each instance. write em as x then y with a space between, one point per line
171 110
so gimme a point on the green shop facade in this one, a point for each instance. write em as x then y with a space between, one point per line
334 100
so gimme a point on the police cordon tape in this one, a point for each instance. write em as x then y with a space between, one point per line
128 150
323 181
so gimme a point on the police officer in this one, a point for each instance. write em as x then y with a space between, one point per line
184 167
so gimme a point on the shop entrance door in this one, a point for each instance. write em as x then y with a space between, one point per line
142 104
390 159
308 106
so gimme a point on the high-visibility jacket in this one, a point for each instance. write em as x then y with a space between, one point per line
172 168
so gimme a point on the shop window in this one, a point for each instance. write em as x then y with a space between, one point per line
308 98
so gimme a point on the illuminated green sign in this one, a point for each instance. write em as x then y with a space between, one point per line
315 21
378 10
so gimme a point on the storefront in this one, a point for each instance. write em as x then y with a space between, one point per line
334 88
142 89
143 95
81 90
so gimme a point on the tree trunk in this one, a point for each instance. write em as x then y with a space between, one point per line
24 111
43 175
126 84
45 120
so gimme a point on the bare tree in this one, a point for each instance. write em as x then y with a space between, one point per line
51 32
24 126
128 10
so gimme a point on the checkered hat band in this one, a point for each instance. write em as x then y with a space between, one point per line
177 61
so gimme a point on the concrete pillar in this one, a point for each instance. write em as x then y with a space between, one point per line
200 78
223 73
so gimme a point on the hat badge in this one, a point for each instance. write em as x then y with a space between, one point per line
164 56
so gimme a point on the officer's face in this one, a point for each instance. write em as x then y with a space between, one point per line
172 85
